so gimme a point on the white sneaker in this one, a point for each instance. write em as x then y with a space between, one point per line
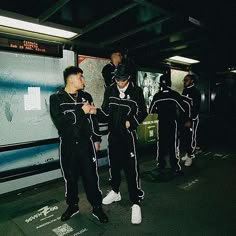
136 217
111 197
188 162
185 157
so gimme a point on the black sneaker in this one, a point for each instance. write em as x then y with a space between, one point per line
99 214
70 211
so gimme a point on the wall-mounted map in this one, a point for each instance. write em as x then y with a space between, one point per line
94 82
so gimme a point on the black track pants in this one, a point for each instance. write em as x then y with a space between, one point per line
122 155
79 159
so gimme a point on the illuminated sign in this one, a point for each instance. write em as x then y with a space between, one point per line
30 46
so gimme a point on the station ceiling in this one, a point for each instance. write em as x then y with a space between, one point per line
148 30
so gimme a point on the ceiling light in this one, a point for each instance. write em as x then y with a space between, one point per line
184 60
234 71
33 27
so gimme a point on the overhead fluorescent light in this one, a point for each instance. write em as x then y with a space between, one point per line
234 71
184 60
36 28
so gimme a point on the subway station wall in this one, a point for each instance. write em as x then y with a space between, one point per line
18 72
20 123
94 82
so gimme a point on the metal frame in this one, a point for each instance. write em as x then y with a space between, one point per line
146 25
52 10
160 38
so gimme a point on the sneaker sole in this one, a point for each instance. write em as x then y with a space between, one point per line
187 165
117 200
136 223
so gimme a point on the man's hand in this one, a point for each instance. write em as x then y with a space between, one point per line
187 124
97 146
93 110
127 124
86 108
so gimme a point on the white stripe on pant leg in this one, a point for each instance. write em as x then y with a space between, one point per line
157 158
109 162
195 135
136 168
63 174
192 134
178 145
138 182
158 138
95 156
108 157
176 130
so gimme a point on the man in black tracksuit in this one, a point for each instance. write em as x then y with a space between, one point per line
79 137
109 69
124 109
166 103
192 95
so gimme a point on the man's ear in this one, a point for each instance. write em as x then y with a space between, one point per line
69 79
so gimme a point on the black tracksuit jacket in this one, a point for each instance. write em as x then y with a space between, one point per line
69 118
194 96
116 111
108 74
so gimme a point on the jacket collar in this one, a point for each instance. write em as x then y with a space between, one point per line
62 91
190 86
129 90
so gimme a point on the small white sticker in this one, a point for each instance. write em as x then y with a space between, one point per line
32 100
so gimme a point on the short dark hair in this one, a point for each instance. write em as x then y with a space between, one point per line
71 70
191 76
114 50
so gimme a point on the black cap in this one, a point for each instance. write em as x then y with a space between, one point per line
122 72
165 81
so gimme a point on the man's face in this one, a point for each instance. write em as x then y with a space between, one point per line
116 57
122 83
187 81
77 81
